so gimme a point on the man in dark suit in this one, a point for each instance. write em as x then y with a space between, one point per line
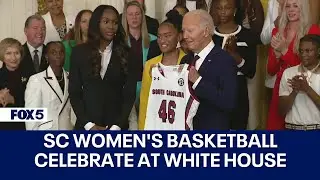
152 24
213 73
34 60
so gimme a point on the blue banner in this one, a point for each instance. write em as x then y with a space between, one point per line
159 155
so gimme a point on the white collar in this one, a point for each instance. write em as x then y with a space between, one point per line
231 34
108 48
31 49
205 51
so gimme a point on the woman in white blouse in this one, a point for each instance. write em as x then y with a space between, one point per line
57 23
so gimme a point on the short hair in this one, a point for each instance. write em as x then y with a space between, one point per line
46 50
205 19
315 39
10 42
32 17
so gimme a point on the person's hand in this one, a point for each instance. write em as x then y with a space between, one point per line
98 128
231 48
2 95
278 43
193 74
299 83
7 98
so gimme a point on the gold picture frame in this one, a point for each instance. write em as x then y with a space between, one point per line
41 7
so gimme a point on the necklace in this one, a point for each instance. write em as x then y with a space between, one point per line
59 80
311 73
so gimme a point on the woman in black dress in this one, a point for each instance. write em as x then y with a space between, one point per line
238 42
12 82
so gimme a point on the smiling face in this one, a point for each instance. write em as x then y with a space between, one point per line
168 37
12 57
35 32
309 54
292 9
108 25
54 6
194 35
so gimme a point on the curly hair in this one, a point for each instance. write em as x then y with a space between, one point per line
120 47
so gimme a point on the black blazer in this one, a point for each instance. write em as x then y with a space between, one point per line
152 25
16 83
106 101
216 90
26 65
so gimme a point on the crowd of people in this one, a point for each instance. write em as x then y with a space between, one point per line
94 71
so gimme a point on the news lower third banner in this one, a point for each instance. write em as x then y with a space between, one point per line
159 155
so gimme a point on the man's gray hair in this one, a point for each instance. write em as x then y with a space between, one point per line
32 17
205 19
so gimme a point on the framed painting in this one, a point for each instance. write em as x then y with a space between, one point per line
41 7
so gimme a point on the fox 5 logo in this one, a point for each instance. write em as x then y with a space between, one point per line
23 114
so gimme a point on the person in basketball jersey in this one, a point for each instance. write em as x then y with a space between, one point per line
171 105
169 34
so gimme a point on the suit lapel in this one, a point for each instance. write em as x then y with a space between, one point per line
43 63
208 59
28 62
53 83
66 93
110 66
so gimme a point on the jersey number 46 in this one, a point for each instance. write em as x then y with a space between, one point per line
166 111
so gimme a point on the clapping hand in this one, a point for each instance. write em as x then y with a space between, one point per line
299 83
5 97
278 43
231 48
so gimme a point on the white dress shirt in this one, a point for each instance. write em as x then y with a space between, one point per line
202 56
272 14
266 34
105 60
32 49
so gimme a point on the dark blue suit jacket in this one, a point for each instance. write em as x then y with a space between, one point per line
216 91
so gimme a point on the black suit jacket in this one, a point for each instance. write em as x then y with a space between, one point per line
106 101
216 90
26 65
16 83
152 24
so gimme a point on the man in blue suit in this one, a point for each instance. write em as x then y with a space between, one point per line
213 73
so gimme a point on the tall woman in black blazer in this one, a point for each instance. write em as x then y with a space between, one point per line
101 86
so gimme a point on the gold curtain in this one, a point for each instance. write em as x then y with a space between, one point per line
262 61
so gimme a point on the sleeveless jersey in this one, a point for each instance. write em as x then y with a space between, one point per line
171 106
